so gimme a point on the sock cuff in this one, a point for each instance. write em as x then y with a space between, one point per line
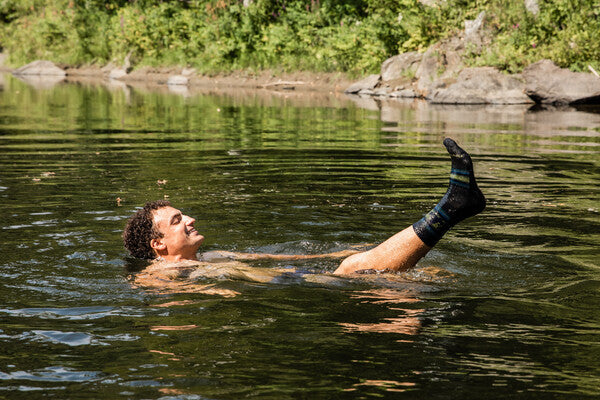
433 226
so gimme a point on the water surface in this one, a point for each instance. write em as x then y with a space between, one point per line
505 306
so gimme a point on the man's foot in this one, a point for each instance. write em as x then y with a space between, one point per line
463 194
462 200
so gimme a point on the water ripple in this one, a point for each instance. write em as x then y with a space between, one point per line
53 374
74 313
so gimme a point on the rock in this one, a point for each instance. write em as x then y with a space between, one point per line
368 83
547 83
431 3
472 27
382 92
177 80
366 92
108 67
532 6
188 72
398 67
474 33
441 61
41 68
117 73
483 85
127 61
404 93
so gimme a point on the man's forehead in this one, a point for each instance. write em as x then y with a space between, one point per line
164 214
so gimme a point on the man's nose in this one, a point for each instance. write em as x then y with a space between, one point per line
189 220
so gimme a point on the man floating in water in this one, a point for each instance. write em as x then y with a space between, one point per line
161 232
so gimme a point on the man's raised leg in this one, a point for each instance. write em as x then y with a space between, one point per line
463 199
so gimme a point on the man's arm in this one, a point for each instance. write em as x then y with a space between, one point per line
219 255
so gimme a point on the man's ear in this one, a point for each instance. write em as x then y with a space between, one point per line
158 244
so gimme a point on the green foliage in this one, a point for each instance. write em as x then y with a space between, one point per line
320 35
564 31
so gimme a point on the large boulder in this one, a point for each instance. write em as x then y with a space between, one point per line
483 85
40 68
549 84
367 84
439 63
400 66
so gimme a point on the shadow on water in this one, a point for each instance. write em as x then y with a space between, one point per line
504 306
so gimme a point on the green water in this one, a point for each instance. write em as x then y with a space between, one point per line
511 313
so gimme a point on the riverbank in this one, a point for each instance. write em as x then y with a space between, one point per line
304 81
438 75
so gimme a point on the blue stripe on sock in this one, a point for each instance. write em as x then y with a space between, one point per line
431 230
460 171
441 212
458 183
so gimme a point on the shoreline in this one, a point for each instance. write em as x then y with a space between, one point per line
159 76
481 87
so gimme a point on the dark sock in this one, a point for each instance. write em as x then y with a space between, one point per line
462 200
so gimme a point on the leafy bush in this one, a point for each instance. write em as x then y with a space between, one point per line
352 36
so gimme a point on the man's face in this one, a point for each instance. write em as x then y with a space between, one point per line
180 239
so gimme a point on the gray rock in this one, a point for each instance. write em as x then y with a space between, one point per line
532 6
188 72
474 26
368 83
431 3
549 84
441 61
366 92
117 73
41 68
108 67
398 67
474 33
484 85
382 92
176 80
404 93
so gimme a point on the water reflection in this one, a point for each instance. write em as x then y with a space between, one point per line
406 324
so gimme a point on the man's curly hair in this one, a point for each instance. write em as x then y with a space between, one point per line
140 230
